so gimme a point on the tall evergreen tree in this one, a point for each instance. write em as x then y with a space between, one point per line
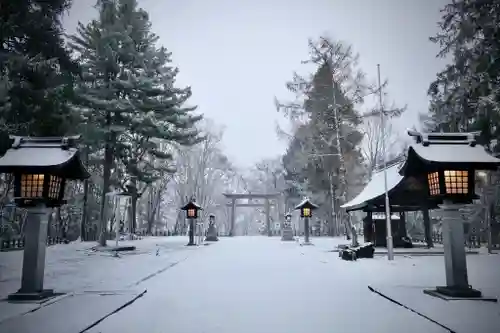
330 138
36 70
128 91
466 95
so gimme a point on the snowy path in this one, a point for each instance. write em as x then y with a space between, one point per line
257 284
73 267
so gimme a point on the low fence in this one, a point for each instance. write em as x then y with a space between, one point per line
17 243
471 240
437 238
156 233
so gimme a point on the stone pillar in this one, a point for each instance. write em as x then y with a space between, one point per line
35 233
457 283
268 217
306 231
233 217
192 226
212 231
287 230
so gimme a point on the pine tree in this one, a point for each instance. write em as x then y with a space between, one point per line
36 70
330 138
466 94
128 91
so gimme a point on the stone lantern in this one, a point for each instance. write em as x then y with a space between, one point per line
448 161
306 207
192 209
287 231
212 230
41 167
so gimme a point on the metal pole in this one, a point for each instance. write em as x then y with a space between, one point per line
390 247
117 219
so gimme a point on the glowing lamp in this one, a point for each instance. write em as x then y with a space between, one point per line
40 167
451 183
191 209
306 207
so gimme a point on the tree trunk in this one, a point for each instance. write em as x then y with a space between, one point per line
106 175
133 210
333 217
427 227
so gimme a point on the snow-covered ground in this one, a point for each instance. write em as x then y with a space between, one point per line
257 284
74 267
260 284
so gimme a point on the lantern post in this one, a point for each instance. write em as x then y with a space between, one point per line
41 167
447 162
192 210
306 207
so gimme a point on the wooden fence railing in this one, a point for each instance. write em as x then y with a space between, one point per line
17 243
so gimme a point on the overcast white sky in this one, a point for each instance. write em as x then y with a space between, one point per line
237 55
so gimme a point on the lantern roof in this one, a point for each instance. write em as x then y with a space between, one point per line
433 150
191 205
55 155
306 203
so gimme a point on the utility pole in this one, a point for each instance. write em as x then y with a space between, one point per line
390 246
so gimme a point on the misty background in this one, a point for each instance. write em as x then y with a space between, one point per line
237 56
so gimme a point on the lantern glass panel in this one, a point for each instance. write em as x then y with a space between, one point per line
191 212
456 181
433 180
306 212
54 187
32 186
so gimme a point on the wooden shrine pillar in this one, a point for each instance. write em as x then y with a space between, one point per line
368 227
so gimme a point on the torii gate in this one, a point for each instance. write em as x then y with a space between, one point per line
267 206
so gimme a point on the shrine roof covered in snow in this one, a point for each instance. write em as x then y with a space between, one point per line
375 188
406 183
405 193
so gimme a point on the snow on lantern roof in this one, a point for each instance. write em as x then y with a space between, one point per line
57 155
452 149
306 203
191 205
375 187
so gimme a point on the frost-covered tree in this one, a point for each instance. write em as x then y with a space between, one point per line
204 172
128 96
465 95
36 70
328 141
